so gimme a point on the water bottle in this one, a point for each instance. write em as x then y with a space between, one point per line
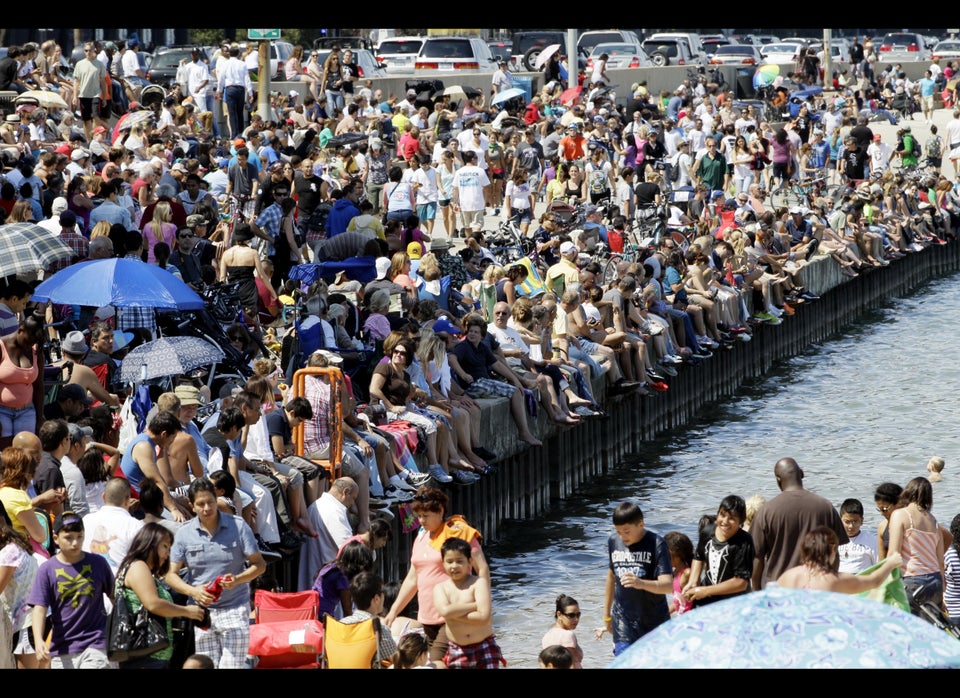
214 588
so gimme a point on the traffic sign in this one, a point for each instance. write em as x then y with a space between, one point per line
263 34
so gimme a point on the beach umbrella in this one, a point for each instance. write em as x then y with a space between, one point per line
123 283
765 75
570 95
45 98
47 247
793 629
545 55
168 356
129 120
458 92
17 256
507 95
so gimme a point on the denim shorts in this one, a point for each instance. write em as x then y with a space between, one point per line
13 420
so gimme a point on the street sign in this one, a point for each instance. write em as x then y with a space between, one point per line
263 34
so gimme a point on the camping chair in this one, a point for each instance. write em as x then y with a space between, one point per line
533 285
286 633
350 646
338 391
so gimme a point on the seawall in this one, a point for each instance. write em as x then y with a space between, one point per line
532 480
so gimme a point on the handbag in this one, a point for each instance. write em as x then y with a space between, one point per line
132 635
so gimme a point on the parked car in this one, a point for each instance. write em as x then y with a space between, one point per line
527 45
399 53
691 39
839 54
784 52
366 64
903 46
279 53
948 49
713 41
668 52
165 62
449 53
588 40
502 51
736 54
344 42
759 40
620 56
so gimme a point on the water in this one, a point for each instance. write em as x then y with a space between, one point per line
869 405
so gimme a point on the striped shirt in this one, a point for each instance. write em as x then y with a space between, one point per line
951 590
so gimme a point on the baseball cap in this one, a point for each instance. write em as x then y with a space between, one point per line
79 154
189 395
99 129
239 142
589 210
567 247
230 389
444 325
796 209
78 433
414 250
67 518
331 357
383 266
73 391
293 93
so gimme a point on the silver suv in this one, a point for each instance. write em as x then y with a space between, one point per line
449 53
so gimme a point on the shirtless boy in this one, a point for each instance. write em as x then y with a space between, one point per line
464 601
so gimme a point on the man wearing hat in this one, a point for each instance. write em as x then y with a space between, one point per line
572 145
450 264
92 93
74 348
564 274
502 78
71 403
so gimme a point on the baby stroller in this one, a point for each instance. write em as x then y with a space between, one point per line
904 104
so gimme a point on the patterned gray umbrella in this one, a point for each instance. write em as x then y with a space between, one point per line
168 356
48 247
24 253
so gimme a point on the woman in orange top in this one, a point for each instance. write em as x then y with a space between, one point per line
21 379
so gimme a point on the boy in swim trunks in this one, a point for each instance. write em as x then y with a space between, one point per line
464 601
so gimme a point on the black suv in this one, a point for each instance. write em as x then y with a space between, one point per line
528 45
166 60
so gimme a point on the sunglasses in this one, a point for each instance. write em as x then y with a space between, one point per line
186 236
575 614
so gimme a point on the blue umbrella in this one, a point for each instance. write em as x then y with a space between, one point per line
793 629
507 95
124 283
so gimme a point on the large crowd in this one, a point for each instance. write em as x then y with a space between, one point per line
350 225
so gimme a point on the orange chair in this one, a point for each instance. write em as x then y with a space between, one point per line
338 389
286 633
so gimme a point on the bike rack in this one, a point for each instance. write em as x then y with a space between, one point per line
338 387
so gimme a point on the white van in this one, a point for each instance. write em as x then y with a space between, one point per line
692 39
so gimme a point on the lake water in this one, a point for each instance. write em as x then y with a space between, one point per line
869 405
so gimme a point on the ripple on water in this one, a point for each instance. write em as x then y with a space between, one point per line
868 405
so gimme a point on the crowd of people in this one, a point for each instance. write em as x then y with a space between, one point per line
345 173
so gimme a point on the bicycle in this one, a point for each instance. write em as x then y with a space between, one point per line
798 193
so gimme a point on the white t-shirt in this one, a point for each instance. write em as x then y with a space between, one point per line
428 191
130 63
518 195
470 181
109 532
860 553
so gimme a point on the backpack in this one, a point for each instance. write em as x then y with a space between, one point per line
914 147
933 147
675 169
598 179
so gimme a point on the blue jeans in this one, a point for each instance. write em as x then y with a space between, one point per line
14 420
334 101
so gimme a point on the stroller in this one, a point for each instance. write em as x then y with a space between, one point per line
904 104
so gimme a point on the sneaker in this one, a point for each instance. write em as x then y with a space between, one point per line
437 473
464 477
267 550
774 321
702 354
400 484
765 317
374 503
398 495
416 479
669 370
659 386
384 514
744 337
653 375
